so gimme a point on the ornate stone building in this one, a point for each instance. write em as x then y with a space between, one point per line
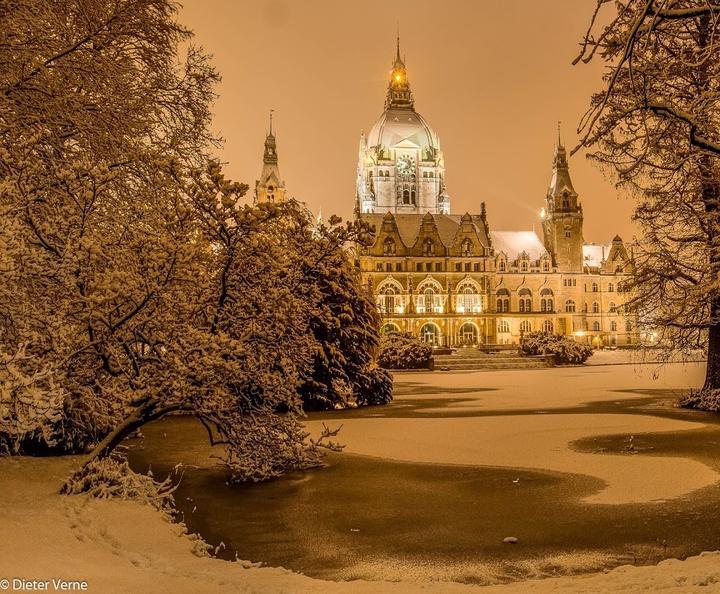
270 187
450 279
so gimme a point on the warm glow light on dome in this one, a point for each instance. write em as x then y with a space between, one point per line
398 77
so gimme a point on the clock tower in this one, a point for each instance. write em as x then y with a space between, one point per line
401 168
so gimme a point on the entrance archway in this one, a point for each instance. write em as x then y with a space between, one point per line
430 333
468 334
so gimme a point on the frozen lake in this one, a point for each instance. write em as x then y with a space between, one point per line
588 467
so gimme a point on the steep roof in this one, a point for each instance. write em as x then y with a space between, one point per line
409 225
514 243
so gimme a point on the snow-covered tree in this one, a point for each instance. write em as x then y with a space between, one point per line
656 126
345 322
131 283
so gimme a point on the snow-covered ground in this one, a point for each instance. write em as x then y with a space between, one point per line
124 547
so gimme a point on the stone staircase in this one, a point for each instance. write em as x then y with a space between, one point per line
469 359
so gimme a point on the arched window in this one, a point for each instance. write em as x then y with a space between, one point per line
429 298
525 326
596 326
595 307
406 196
628 326
524 265
546 266
503 301
389 246
428 247
389 300
468 297
612 308
502 266
546 300
525 301
548 326
430 174
570 306
610 287
613 326
503 327
594 287
389 328
467 248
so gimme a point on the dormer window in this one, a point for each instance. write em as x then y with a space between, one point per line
466 249
502 267
389 246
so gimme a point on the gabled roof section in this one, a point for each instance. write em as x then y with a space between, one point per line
409 225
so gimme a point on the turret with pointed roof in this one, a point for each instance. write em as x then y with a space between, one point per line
562 215
270 187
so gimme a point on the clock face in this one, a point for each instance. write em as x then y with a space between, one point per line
405 164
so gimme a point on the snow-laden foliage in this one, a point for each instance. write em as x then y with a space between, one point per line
112 478
344 324
563 349
131 283
656 126
400 350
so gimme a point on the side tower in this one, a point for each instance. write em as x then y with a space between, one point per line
562 216
270 187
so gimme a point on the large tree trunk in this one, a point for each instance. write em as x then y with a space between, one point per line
712 375
711 198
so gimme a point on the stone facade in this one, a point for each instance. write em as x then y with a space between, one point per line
448 278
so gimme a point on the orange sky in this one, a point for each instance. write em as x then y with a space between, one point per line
491 77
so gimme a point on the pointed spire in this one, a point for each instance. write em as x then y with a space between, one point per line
399 94
560 156
559 140
560 180
397 54
270 154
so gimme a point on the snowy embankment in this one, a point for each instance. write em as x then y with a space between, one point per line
123 547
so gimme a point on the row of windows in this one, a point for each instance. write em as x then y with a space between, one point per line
503 326
428 267
524 266
386 173
594 287
438 266
594 308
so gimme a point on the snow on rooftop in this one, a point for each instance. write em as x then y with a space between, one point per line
594 255
514 243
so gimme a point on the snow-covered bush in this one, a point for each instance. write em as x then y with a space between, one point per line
343 319
705 399
403 351
112 478
563 349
